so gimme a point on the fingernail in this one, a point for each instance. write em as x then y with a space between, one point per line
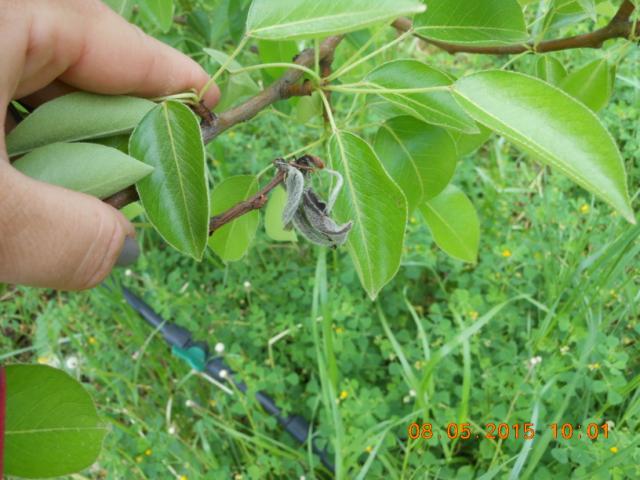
129 253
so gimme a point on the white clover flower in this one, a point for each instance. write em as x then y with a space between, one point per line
219 348
71 363
247 285
533 361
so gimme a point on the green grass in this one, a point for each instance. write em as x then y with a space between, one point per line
446 342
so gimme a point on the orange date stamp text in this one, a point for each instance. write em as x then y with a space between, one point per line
506 431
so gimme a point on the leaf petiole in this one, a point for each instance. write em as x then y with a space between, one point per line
223 67
377 89
277 65
344 69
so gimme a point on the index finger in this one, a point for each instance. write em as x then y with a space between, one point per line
95 49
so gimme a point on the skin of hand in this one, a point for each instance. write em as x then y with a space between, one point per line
49 236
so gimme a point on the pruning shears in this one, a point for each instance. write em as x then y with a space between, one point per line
197 355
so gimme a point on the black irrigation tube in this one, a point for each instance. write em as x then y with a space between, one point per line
196 353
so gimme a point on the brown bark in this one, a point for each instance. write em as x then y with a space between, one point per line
254 203
619 27
281 89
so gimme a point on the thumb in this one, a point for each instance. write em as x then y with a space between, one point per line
53 237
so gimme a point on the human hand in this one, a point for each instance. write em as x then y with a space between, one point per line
50 236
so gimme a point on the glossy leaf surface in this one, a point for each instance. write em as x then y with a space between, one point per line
552 127
300 19
376 205
435 107
486 22
175 195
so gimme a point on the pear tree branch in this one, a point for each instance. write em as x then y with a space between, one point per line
620 26
289 85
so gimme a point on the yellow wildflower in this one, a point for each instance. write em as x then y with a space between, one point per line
369 449
148 452
506 253
92 340
613 449
584 209
344 394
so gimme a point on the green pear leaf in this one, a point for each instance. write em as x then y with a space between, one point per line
52 426
236 87
77 116
176 195
467 143
420 158
158 12
550 69
454 224
377 207
301 19
592 84
273 217
437 107
84 167
231 241
552 127
489 22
